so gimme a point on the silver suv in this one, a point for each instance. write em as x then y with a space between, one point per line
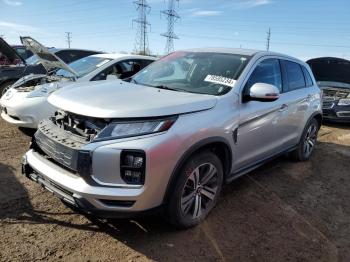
174 134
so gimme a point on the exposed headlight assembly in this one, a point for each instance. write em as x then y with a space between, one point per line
344 102
125 129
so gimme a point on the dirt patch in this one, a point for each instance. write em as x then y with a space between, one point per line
284 211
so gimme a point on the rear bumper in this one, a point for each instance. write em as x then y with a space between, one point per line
99 201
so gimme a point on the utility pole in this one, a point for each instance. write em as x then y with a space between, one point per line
141 40
172 17
268 40
69 38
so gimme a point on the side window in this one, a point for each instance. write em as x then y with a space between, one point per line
295 76
22 52
267 72
307 76
113 70
130 68
123 69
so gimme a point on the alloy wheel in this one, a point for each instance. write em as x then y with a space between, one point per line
310 140
200 190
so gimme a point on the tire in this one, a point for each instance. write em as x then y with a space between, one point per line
307 141
196 190
27 131
4 86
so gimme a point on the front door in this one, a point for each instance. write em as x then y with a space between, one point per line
256 136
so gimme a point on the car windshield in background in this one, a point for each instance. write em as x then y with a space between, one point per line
84 66
33 60
195 72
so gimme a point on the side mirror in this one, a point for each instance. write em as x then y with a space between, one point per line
264 92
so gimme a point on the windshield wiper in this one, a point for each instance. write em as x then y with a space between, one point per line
171 88
166 88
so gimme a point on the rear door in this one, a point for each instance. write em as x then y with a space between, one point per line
296 97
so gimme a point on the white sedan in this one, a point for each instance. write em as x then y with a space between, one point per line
25 103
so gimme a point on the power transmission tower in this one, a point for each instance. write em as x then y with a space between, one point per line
268 40
172 17
141 40
69 38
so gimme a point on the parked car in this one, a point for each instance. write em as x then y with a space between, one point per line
25 103
172 136
13 66
333 77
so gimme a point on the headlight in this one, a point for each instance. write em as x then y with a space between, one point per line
9 93
344 102
137 128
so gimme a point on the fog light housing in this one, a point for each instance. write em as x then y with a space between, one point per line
132 168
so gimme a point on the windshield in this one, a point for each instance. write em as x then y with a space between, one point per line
195 72
84 66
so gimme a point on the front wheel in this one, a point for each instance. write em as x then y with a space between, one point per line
307 142
196 190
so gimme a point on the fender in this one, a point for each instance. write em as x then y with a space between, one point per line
318 117
201 144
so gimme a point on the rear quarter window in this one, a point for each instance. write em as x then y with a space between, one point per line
307 76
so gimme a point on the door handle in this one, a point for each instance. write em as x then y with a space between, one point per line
308 98
283 107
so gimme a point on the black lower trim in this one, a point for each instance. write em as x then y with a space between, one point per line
81 204
86 208
254 166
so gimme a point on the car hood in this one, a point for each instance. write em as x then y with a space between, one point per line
49 60
330 69
119 99
10 53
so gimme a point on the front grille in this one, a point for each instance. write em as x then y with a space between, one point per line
58 144
335 93
327 104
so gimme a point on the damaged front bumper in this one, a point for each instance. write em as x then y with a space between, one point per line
106 202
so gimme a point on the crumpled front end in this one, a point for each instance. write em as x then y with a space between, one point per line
93 176
25 103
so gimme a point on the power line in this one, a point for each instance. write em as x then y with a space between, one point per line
260 41
172 17
268 39
141 40
69 38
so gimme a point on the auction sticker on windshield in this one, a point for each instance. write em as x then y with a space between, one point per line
220 80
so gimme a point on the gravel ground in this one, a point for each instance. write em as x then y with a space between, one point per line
284 211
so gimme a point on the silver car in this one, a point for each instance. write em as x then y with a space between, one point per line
173 135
